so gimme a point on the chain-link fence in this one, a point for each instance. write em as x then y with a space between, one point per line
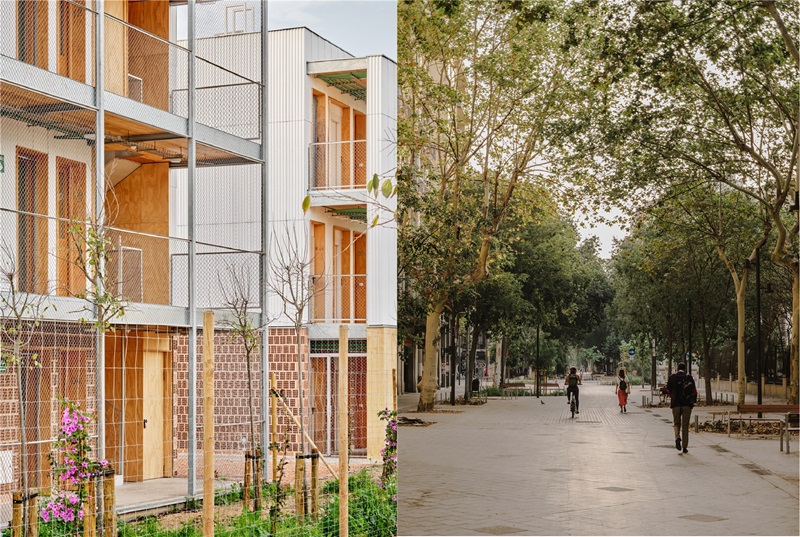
338 165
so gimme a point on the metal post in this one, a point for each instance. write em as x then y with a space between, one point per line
192 221
653 370
99 216
263 287
758 325
538 372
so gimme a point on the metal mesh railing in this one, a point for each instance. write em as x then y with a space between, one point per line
220 272
338 165
338 298
142 66
66 48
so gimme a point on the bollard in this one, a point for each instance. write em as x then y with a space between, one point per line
248 465
109 504
728 417
696 423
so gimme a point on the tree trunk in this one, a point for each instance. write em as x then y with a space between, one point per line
707 363
428 388
740 339
670 342
473 348
23 440
453 357
794 371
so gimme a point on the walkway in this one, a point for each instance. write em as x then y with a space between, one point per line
520 467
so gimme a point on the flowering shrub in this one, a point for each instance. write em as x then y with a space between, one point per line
71 467
389 452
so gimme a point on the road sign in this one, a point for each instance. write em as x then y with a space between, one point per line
631 351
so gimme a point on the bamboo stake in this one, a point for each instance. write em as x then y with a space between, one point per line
208 424
109 505
299 467
274 424
89 515
17 514
308 438
33 515
344 427
248 465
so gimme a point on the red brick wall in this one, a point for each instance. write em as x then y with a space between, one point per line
65 356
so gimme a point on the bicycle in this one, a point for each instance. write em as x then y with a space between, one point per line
572 406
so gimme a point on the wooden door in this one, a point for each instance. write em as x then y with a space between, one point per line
32 32
153 414
318 311
71 194
320 395
357 386
335 147
32 245
360 278
72 39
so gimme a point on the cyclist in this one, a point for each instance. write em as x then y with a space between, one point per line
572 380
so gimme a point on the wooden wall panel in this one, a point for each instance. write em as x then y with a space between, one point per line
318 232
71 205
140 202
148 58
360 267
72 39
345 271
360 133
116 45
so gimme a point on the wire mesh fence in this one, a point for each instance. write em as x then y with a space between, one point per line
146 437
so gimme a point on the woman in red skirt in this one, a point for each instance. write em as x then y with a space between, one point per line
623 388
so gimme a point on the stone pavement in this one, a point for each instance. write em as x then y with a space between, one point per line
520 467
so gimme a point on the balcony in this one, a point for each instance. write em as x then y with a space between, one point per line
338 299
338 165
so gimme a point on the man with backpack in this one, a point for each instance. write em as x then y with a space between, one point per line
683 395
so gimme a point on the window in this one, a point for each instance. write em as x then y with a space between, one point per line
239 19
31 227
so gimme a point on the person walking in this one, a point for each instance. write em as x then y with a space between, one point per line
683 395
622 387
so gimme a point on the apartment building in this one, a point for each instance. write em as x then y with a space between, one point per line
187 196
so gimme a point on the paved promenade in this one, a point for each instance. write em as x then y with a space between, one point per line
520 467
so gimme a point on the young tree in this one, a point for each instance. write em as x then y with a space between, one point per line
20 317
237 296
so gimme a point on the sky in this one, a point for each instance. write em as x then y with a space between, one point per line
361 27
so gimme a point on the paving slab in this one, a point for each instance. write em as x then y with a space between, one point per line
520 467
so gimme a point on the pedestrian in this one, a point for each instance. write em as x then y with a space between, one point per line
622 386
683 395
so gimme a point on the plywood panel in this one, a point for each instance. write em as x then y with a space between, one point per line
344 272
319 269
153 414
140 202
319 398
360 282
148 58
134 414
32 236
116 46
347 150
71 192
72 39
360 161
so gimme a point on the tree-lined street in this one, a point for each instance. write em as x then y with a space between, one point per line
518 467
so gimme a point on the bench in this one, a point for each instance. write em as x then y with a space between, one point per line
791 422
788 423
514 389
779 409
547 385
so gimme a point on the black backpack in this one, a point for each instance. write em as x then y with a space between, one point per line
623 385
687 391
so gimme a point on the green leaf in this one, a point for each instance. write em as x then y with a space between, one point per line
387 188
374 221
306 204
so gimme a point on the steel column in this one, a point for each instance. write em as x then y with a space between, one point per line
263 287
192 221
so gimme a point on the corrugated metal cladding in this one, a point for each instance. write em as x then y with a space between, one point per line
381 159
